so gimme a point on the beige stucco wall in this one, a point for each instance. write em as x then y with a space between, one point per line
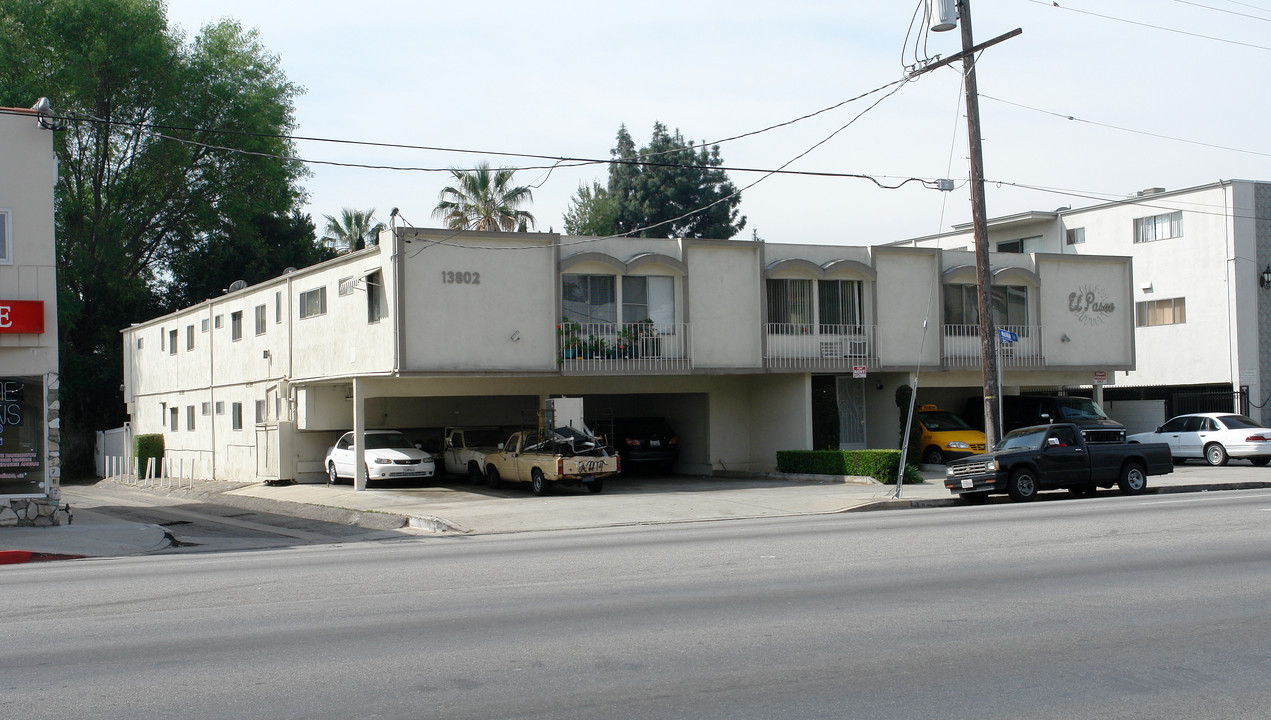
725 297
1088 300
908 292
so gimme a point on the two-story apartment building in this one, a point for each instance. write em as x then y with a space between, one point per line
1202 302
29 428
726 339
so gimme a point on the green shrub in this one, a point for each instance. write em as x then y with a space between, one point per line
145 447
878 464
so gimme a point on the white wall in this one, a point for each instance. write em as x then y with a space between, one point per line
725 296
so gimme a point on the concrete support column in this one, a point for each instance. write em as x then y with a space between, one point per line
359 435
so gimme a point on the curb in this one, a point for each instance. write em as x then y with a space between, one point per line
15 557
435 524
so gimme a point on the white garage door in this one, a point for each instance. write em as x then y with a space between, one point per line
1137 415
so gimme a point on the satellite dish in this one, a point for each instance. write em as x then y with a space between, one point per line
237 285
289 270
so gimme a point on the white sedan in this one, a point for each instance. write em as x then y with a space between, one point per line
1213 436
388 455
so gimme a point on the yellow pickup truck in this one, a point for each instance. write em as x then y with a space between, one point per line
566 458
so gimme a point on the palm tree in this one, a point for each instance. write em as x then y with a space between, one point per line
484 199
353 230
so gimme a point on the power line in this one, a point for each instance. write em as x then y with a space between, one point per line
1229 12
1125 129
1051 3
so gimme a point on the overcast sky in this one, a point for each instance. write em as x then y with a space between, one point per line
558 78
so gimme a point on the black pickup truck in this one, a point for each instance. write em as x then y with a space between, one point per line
1061 455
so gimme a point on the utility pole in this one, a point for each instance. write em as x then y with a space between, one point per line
979 218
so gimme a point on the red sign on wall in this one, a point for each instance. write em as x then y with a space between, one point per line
21 316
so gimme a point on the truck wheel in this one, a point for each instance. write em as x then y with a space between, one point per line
933 456
595 486
1022 486
492 477
975 498
474 473
1215 454
1133 479
539 484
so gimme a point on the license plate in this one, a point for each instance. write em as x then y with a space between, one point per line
655 443
967 483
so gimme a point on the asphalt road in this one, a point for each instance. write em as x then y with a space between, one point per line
1125 607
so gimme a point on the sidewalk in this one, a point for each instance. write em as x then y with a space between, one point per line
460 508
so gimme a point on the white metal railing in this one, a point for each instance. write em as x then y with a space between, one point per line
166 473
962 346
820 346
624 347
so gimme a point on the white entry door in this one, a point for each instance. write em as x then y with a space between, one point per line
851 399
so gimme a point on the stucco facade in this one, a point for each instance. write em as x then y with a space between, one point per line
433 328
1203 320
29 424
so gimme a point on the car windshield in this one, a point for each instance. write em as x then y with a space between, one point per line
1071 408
379 441
941 420
1239 422
1026 439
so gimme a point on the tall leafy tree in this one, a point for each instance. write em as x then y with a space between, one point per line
669 188
484 199
592 211
256 251
353 230
144 174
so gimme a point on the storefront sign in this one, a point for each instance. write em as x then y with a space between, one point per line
21 316
21 436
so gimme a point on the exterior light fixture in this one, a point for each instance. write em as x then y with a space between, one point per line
1264 279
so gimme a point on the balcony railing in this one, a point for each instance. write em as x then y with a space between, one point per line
811 346
962 347
622 348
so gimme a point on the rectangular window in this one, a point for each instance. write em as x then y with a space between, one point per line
140 341
1171 311
236 325
962 306
206 409
346 286
6 237
260 320
790 306
1023 245
278 307
1076 236
840 303
189 338
313 303
163 342
1158 227
260 411
375 302
589 298
189 417
219 322
203 325
174 417
220 407
172 342
649 298
236 416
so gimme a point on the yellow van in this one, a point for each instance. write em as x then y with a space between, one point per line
946 436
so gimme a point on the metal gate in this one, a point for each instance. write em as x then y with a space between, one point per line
851 400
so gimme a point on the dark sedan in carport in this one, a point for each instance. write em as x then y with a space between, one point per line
646 443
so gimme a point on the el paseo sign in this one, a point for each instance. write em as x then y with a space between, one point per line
1091 304
22 316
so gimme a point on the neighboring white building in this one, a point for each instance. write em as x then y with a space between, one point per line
1203 318
726 339
29 427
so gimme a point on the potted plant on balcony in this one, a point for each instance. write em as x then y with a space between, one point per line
569 333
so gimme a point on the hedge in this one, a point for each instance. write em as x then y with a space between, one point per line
147 446
878 464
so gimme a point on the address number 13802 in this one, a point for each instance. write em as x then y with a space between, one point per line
450 277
